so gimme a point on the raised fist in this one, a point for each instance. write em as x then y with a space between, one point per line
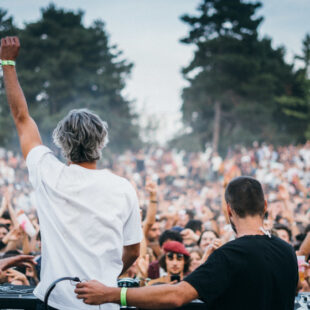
9 48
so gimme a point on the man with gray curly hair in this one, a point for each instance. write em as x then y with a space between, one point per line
89 218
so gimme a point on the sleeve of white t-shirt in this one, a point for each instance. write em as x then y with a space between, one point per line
41 160
132 228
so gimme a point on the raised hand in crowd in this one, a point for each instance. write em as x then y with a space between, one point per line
19 260
143 263
189 236
150 218
211 248
15 277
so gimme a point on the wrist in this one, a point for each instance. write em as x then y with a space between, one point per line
7 62
113 295
153 197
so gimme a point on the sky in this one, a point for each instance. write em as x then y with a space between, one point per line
148 32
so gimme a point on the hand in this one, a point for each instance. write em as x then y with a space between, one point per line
189 234
15 234
143 265
283 193
9 48
14 275
19 260
211 248
92 292
151 188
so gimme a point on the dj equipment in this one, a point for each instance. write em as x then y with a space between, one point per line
302 301
17 297
21 297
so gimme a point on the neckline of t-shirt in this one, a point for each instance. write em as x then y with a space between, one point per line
253 236
87 169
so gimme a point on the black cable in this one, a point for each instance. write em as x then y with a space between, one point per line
52 286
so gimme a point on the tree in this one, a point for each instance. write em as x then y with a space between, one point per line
65 65
234 78
295 107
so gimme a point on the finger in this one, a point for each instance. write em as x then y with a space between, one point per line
80 291
81 296
87 301
16 41
11 41
81 285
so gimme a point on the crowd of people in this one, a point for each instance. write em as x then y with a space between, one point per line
182 207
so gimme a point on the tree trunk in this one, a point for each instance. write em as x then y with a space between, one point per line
216 128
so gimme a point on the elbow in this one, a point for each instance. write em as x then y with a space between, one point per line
20 117
136 254
175 302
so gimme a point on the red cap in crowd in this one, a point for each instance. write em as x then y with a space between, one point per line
175 247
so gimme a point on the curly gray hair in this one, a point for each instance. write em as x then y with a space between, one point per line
81 135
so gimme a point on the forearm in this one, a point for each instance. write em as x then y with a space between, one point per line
150 216
150 297
130 254
15 95
143 247
26 245
13 215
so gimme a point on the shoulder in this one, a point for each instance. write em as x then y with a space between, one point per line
120 182
36 153
42 155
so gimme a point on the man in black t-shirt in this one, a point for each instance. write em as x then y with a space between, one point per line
256 271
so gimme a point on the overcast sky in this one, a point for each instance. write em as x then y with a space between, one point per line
148 32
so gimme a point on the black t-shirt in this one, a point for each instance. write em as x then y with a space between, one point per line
250 273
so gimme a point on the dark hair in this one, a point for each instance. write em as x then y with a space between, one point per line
194 225
169 235
5 226
278 226
6 215
190 213
245 196
11 253
162 263
211 230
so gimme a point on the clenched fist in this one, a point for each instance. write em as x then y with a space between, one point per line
9 48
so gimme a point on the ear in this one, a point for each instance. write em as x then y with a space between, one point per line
266 206
228 208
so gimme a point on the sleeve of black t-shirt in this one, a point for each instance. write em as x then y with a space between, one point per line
212 278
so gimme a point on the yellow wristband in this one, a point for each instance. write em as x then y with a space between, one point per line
7 62
123 297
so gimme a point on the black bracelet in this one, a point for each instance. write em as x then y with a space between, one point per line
153 201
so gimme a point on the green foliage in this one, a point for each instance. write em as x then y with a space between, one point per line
64 65
244 74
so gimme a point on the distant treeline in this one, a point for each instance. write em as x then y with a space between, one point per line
241 89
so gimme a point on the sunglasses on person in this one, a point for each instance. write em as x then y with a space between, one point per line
170 255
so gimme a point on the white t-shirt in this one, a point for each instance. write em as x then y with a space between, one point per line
86 217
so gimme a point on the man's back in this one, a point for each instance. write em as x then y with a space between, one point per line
252 272
86 217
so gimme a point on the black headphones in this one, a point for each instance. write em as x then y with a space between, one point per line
52 286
